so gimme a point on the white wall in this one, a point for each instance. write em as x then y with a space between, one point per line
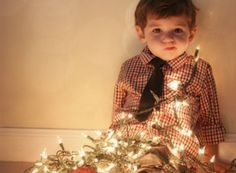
59 59
27 144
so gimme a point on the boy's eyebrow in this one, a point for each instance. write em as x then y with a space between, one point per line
179 24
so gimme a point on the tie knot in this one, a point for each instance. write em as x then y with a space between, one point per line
158 62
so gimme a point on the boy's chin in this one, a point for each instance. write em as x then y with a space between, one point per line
168 57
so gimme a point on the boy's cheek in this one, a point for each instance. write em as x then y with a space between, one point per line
181 38
154 39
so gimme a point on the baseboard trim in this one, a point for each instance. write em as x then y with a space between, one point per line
26 144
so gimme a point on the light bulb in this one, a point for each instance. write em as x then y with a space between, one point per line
202 151
174 85
212 160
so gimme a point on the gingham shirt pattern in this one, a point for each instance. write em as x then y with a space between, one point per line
202 115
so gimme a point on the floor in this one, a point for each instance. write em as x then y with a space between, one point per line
14 167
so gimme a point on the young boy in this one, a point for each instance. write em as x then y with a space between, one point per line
167 27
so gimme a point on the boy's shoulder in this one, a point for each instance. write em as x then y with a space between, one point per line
135 60
201 61
203 66
131 66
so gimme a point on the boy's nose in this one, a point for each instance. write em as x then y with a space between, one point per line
167 37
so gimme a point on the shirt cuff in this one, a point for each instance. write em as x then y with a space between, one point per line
213 134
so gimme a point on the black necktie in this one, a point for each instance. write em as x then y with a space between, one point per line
155 84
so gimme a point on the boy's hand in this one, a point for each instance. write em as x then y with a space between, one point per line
221 167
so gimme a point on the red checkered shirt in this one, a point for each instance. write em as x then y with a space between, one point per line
201 115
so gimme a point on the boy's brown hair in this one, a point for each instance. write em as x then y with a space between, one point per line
163 9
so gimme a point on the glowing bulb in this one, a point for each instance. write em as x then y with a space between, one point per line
84 135
75 167
125 144
122 115
81 153
172 161
59 140
174 151
119 134
130 154
39 164
189 133
99 133
135 156
156 120
110 149
35 170
155 139
45 169
202 151
178 104
196 54
44 154
111 165
135 168
181 147
142 134
81 162
140 153
153 123
100 170
185 103
130 116
186 132
114 142
110 134
212 160
143 145
174 85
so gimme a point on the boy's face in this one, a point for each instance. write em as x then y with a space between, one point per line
168 37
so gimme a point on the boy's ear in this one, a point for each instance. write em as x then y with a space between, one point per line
192 33
140 33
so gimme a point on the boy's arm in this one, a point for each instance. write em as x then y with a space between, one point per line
211 128
118 98
118 102
211 150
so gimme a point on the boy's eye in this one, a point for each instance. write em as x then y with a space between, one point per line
156 30
178 30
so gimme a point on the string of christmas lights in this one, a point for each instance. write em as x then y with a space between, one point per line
113 152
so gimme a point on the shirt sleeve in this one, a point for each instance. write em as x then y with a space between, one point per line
211 128
118 99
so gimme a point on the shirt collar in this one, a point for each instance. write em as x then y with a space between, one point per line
178 62
146 57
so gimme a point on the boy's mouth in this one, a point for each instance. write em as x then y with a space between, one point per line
170 48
